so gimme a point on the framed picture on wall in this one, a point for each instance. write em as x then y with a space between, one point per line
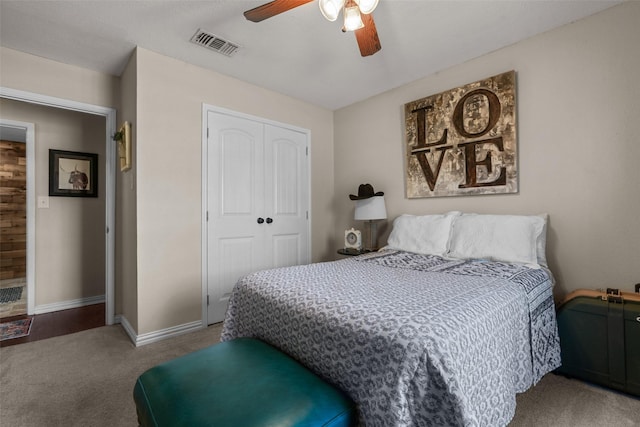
73 174
123 137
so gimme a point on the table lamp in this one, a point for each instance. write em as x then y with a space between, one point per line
371 210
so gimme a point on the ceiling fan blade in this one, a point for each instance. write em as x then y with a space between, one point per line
367 36
272 8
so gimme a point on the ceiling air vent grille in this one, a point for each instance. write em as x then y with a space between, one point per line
214 42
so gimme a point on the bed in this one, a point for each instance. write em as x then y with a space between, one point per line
423 332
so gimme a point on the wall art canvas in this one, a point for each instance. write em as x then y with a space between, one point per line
463 141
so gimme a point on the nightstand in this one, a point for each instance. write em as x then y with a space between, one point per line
352 252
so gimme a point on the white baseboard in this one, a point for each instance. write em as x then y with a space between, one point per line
138 340
65 305
151 337
119 318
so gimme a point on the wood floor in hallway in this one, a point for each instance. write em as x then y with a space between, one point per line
58 323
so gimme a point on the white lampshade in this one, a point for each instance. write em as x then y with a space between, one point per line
370 209
331 8
352 19
367 6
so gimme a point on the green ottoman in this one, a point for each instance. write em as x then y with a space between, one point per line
239 383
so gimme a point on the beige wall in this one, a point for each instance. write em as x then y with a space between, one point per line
126 289
578 91
30 73
170 95
70 241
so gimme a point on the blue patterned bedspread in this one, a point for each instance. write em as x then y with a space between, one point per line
415 340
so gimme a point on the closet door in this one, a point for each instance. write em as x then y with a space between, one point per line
286 197
235 202
257 202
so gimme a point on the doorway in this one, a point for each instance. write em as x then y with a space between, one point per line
109 115
18 238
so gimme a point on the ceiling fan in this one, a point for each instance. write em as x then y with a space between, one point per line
357 17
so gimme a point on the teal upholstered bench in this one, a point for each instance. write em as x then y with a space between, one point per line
239 383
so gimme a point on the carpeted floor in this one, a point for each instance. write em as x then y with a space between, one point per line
82 379
87 378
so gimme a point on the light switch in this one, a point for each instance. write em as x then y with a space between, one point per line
43 202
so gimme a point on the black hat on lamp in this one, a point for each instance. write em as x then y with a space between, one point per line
365 191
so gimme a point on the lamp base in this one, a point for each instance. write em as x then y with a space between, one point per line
372 238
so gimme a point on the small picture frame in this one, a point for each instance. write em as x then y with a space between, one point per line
123 138
73 174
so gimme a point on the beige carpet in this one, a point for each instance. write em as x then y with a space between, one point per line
83 379
87 378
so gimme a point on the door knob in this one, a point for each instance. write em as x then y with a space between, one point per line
269 220
260 220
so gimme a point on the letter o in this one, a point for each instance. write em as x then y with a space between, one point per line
494 113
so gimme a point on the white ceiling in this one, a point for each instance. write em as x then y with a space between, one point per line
297 53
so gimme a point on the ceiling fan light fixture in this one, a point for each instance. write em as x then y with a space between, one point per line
352 18
331 8
367 6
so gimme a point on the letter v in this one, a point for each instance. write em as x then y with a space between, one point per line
426 167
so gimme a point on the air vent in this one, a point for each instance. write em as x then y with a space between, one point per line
214 42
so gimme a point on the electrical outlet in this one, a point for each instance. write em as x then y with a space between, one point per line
43 202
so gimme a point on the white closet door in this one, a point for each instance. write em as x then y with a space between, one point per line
235 240
257 202
286 196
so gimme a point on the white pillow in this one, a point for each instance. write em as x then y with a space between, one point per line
541 242
509 238
425 234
